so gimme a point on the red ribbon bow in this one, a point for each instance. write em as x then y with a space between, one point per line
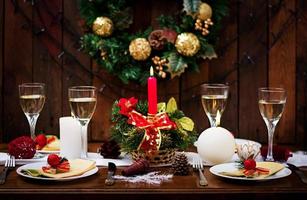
152 125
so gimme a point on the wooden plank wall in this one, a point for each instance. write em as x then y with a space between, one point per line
262 43
1 63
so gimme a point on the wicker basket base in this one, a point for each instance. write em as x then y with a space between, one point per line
163 157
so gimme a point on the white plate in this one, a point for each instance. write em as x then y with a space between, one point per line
3 157
228 167
41 164
47 152
239 141
124 160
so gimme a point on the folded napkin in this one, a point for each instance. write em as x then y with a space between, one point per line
77 168
273 168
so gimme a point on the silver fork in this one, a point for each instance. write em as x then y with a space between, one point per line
9 164
198 165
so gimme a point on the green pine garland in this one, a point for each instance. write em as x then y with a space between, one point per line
116 47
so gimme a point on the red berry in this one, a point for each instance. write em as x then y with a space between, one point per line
41 140
22 147
53 160
249 164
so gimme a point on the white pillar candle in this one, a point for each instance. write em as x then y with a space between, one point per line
70 138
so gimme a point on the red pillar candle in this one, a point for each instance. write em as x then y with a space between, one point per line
152 93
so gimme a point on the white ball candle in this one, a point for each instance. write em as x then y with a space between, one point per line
216 145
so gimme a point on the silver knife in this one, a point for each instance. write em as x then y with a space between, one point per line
111 171
299 172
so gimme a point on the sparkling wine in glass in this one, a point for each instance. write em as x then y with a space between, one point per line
32 99
271 105
82 101
214 100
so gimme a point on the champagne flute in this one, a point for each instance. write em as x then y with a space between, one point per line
271 105
214 99
82 101
32 99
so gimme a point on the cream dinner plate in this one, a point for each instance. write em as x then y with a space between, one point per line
229 167
47 152
239 141
41 164
36 158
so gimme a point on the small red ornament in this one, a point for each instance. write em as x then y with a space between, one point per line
127 105
22 147
53 160
249 164
41 141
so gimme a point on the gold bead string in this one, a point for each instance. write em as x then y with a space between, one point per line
203 26
159 63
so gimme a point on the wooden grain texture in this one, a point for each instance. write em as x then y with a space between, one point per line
17 67
226 64
282 64
46 64
101 120
74 73
301 74
76 65
252 67
1 64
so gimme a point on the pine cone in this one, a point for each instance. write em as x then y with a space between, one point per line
157 40
180 165
109 149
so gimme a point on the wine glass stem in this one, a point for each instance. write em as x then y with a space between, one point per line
271 130
32 119
214 121
84 141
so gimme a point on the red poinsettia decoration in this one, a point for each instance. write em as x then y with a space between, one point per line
127 105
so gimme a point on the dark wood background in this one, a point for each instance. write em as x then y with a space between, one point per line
262 43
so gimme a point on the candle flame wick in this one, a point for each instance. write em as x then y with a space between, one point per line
151 72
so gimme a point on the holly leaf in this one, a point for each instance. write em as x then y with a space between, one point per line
176 65
191 6
171 105
181 129
186 123
161 107
207 51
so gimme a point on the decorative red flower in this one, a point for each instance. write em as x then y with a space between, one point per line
127 105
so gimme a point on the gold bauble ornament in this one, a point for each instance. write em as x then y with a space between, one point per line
204 11
103 26
140 49
187 44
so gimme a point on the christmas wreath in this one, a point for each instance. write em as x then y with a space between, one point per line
133 130
178 44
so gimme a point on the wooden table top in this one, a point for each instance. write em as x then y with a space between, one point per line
180 187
